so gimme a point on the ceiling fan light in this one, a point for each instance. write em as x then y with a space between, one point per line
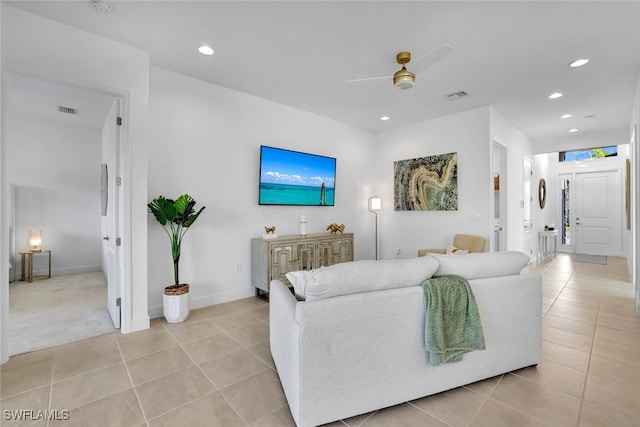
404 79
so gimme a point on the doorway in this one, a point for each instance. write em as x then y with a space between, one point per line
590 213
499 206
54 150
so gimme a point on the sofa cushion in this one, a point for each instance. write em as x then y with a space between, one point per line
452 250
361 276
481 265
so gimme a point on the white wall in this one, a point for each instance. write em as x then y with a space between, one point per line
518 146
54 167
38 47
407 231
205 141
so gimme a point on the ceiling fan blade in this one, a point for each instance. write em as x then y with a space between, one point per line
368 78
431 58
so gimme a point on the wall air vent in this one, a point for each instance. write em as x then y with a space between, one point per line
457 95
68 110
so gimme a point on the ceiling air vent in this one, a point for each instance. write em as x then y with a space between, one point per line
68 110
457 95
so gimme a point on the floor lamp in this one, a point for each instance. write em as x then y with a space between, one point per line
375 204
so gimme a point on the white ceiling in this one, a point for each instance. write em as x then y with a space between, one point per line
510 55
39 100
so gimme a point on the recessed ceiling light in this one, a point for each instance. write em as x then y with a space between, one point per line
555 95
578 62
205 50
589 116
566 116
383 118
574 130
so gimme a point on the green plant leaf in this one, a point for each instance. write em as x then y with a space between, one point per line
163 209
192 218
182 203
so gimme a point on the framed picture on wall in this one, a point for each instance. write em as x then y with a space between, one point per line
426 183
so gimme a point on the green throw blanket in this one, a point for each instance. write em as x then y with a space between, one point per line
452 320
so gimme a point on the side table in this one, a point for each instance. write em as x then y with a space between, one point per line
544 237
26 260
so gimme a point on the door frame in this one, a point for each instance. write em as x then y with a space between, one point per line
527 203
125 217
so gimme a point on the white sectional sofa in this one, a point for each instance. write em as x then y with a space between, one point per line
356 344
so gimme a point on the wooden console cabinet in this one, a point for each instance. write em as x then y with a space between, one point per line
273 258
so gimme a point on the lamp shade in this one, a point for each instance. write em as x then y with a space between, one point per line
35 240
375 203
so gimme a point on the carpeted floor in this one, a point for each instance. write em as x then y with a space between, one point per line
57 311
591 259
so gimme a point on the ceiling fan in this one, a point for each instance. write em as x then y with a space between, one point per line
404 79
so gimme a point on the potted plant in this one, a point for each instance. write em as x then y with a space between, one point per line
175 216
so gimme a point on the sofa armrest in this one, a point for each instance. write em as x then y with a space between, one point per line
284 341
423 252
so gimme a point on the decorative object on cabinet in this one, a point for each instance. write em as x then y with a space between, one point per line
542 193
335 228
175 216
426 183
303 225
270 230
273 258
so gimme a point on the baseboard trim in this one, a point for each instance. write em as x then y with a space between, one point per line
69 270
206 301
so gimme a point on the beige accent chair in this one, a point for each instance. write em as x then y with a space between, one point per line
470 242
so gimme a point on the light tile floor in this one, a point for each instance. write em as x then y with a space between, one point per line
216 369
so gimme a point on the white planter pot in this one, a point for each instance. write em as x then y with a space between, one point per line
176 307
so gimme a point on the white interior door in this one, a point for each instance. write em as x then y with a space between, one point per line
111 262
598 213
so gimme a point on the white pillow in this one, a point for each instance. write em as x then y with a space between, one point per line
361 276
481 265
452 250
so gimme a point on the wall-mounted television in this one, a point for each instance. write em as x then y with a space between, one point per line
293 178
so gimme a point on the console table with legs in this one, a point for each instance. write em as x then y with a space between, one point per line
544 238
26 267
274 258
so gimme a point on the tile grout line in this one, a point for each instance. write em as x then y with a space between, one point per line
485 400
215 387
135 391
53 367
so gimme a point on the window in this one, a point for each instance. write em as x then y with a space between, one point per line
588 154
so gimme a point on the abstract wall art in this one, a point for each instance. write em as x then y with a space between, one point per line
426 183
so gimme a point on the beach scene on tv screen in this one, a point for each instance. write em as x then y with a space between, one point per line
294 178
